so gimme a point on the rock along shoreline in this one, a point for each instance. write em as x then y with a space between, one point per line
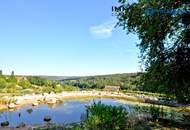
52 98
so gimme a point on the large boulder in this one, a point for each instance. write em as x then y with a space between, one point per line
11 106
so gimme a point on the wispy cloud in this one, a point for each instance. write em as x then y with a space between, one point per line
103 30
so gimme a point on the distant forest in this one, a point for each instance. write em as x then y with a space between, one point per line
125 81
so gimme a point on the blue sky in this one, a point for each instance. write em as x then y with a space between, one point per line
64 37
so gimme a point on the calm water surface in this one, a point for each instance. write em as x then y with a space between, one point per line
66 112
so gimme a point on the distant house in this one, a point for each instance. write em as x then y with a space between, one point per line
108 87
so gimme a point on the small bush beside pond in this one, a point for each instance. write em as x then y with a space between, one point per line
100 116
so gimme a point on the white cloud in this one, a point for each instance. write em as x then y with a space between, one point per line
103 30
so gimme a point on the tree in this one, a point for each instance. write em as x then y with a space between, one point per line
12 73
1 72
2 82
12 78
164 44
24 83
36 80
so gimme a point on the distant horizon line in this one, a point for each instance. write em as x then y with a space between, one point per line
41 75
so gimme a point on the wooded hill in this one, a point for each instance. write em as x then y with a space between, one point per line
126 81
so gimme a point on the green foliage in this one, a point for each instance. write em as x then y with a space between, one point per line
36 80
103 117
24 83
58 88
11 88
2 82
70 88
155 112
32 84
12 78
47 89
126 81
164 45
8 83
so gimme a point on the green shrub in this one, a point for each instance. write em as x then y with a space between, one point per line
12 79
70 88
155 112
100 116
2 83
58 89
24 83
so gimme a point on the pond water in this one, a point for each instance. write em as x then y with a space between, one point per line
66 112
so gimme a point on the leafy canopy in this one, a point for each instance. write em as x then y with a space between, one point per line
164 43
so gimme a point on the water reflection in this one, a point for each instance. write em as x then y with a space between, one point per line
65 112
